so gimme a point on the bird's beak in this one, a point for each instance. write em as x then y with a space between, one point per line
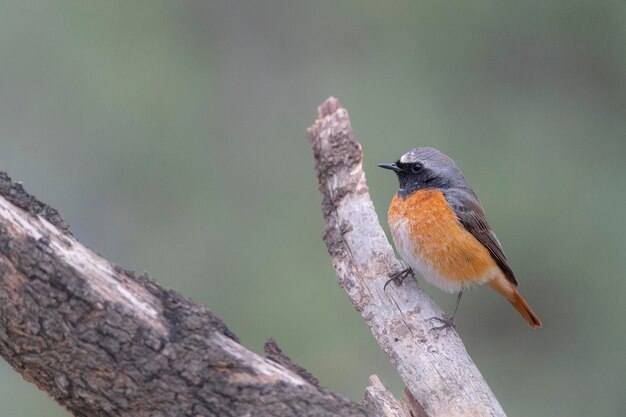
392 167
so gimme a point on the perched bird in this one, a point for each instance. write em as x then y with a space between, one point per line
440 230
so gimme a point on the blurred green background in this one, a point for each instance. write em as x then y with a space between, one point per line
171 136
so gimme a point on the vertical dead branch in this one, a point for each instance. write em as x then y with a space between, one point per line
435 368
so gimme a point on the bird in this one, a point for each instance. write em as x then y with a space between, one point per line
440 230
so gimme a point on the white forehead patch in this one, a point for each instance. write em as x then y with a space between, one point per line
409 157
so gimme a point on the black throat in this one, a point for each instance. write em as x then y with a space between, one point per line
410 183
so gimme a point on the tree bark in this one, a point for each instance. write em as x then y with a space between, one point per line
103 342
434 366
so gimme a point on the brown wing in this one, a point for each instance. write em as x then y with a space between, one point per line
468 210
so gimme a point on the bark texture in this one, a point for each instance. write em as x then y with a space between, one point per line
103 342
434 366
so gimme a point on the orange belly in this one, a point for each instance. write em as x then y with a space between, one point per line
431 240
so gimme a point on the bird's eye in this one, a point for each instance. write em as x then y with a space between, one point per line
416 167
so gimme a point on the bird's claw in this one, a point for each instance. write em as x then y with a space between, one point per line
399 277
446 323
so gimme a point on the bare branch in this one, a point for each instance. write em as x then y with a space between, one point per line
435 368
103 342
382 402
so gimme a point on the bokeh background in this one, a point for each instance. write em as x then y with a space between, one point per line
171 136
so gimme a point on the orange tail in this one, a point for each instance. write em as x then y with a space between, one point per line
504 287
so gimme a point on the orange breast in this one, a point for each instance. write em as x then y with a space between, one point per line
438 239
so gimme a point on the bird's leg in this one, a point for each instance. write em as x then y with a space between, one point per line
399 276
447 322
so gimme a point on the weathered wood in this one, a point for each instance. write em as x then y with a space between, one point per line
103 342
382 402
434 366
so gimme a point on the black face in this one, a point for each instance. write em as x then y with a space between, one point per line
414 176
426 168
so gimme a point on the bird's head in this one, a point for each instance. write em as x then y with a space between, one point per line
423 168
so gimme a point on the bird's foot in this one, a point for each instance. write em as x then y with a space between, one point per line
446 323
399 277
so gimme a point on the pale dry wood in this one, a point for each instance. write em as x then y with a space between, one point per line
381 401
434 366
